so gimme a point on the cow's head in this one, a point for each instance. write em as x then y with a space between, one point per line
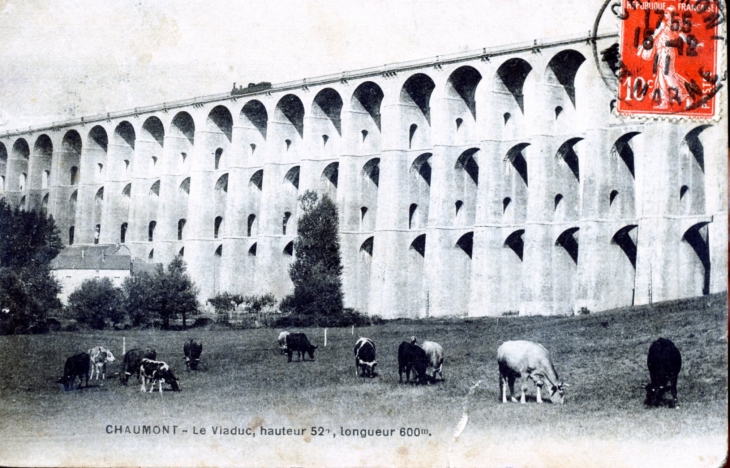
167 376
108 356
369 367
311 351
557 393
654 394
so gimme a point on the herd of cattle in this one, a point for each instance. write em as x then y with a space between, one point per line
516 359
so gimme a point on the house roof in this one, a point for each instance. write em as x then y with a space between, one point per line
93 257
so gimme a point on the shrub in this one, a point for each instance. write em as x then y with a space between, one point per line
97 303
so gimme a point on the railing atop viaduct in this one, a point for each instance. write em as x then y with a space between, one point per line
385 70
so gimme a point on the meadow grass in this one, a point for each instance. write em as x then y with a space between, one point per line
244 381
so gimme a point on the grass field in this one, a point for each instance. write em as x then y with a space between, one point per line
244 382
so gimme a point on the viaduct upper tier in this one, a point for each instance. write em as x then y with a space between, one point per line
477 184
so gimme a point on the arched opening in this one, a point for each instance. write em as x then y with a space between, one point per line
42 159
151 255
251 229
419 191
414 292
370 177
417 91
512 75
97 233
218 223
220 121
221 184
465 186
181 229
254 115
371 170
155 190
411 133
218 154
285 222
124 135
71 235
691 173
184 187
366 101
123 233
364 268
252 250
621 177
517 159
183 126
289 249
292 176
329 179
290 110
153 130
151 231
563 68
466 243
328 104
695 261
257 179
569 242
515 243
463 83
74 175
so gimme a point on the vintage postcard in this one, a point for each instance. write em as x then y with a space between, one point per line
363 234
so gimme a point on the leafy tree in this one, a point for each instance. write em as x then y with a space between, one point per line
28 242
317 268
162 295
97 302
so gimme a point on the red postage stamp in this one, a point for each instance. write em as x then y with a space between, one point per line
669 58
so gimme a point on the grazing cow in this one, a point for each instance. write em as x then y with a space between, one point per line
664 361
365 357
435 354
133 361
157 372
77 365
411 356
99 357
527 360
282 342
298 343
192 350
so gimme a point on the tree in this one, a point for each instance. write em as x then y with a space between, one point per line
317 268
98 303
28 242
162 295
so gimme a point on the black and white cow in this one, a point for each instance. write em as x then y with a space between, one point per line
192 350
365 357
99 357
157 372
299 343
132 362
79 366
411 356
664 361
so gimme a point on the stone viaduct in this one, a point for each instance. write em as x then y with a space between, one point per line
474 184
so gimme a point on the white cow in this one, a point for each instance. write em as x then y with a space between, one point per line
99 357
527 360
435 354
282 341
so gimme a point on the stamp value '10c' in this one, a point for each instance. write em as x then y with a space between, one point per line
669 63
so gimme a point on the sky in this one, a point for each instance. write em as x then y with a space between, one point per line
62 59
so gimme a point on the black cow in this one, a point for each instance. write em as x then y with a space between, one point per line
192 350
133 361
365 357
157 372
299 343
664 362
413 357
78 365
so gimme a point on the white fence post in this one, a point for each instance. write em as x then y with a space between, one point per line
124 345
325 337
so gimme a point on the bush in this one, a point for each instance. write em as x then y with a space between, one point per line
347 318
97 303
